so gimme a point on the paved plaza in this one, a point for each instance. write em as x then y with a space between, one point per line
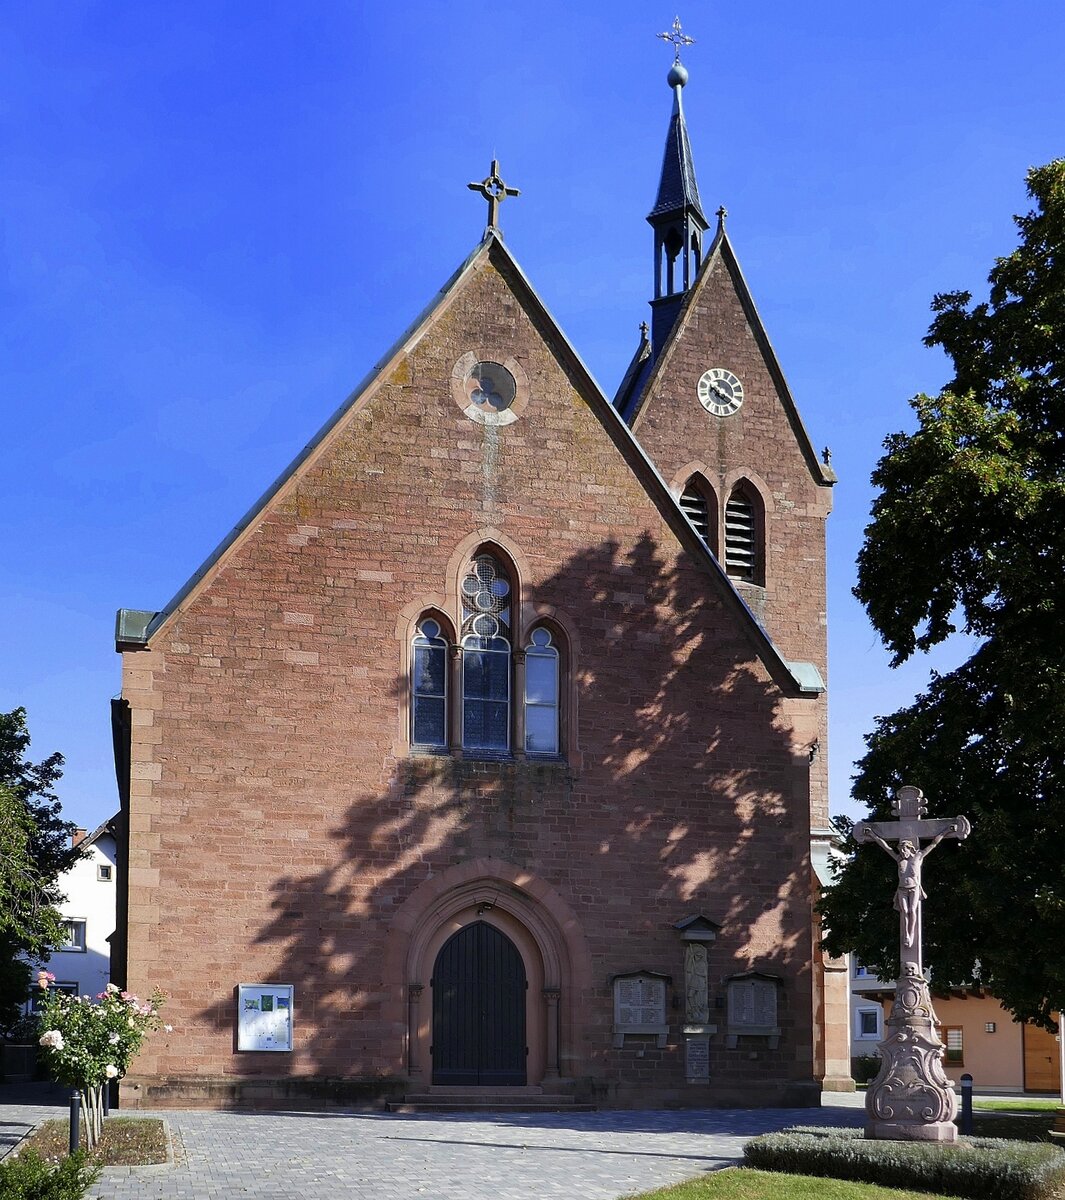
460 1156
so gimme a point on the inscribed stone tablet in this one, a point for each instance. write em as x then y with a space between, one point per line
697 1059
639 1002
752 1002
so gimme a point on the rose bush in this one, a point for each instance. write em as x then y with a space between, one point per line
88 1042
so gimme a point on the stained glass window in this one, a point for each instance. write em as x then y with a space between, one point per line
429 687
541 694
486 657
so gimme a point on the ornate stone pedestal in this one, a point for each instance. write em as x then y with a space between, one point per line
911 1099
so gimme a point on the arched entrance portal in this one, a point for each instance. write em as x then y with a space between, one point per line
479 989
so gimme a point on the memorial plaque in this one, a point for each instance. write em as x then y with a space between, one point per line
639 1002
697 1059
264 1016
752 1003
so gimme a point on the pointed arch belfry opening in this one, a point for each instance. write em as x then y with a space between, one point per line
528 935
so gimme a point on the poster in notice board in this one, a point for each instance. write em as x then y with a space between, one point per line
264 1016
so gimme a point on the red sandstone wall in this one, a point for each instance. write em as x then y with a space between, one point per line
278 821
760 443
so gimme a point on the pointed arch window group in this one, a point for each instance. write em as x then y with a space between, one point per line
478 693
743 538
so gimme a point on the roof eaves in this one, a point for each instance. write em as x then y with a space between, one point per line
822 473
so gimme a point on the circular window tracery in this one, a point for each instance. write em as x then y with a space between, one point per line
488 391
491 387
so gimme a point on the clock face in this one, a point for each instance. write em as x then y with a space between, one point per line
720 392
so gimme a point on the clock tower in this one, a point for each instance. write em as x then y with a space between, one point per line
707 399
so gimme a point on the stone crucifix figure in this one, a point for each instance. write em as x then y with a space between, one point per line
910 807
911 1097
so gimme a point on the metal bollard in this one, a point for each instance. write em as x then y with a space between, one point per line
106 1097
75 1121
966 1103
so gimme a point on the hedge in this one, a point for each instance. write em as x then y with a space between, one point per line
27 1176
974 1167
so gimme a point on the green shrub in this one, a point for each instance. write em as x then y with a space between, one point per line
865 1067
29 1177
975 1167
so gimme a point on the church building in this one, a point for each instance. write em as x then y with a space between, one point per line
485 761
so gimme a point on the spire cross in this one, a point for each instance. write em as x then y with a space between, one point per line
495 191
677 39
910 807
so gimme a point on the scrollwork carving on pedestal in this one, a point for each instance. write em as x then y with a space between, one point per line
911 1086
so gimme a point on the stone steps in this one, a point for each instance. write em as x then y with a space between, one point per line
486 1100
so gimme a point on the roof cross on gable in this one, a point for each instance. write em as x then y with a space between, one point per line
495 191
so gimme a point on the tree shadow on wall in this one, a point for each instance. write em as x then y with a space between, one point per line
685 801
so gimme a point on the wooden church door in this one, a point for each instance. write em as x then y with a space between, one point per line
479 1010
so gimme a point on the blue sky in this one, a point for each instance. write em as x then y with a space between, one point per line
214 218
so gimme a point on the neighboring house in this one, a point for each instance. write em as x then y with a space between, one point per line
489 749
81 965
980 1038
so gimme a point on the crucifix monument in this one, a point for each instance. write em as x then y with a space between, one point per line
911 1097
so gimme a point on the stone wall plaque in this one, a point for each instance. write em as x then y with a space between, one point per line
752 1008
640 1006
697 1059
752 1002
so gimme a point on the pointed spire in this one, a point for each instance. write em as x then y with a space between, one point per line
677 187
677 217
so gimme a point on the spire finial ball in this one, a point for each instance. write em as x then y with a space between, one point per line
678 75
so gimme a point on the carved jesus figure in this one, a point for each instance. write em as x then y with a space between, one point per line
910 893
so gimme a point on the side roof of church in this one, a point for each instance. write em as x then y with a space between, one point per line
135 629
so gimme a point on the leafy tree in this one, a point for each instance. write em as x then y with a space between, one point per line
968 533
34 850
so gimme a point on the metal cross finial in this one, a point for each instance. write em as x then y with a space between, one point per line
495 191
677 39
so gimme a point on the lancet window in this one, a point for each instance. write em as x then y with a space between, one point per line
490 694
486 657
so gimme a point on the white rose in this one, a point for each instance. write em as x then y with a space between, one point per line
111 1071
53 1039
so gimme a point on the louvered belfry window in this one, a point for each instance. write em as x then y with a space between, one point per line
741 537
696 509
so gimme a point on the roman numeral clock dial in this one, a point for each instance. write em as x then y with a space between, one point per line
720 392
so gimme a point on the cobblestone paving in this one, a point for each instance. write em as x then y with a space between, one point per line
520 1156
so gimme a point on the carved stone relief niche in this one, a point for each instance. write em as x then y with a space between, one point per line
697 932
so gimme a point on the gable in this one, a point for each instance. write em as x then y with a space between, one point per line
719 326
403 461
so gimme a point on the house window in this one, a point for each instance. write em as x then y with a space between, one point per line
860 972
103 872
428 687
954 1041
541 694
37 995
486 657
868 1023
73 936
742 558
